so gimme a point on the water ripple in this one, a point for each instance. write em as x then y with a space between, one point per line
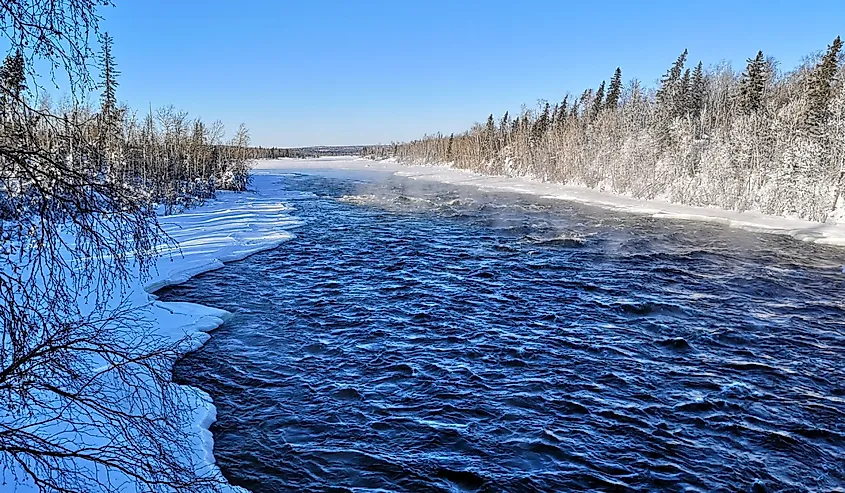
430 338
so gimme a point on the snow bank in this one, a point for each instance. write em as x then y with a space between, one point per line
832 234
230 228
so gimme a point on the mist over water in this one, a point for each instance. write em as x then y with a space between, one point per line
424 337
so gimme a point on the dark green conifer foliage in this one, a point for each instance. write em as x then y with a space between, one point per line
542 123
684 105
13 76
598 100
697 91
108 84
820 87
615 90
753 84
563 111
492 141
668 91
586 99
12 82
504 127
573 113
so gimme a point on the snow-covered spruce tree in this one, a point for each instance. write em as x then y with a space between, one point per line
598 100
752 84
614 92
820 89
670 94
109 84
698 90
761 139
78 373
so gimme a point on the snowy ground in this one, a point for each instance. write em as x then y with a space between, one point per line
833 234
230 228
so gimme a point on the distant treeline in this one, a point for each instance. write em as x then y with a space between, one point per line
760 139
302 152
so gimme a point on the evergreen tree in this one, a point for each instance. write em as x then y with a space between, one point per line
13 75
667 93
684 104
563 111
753 84
586 99
12 83
490 137
598 101
615 90
820 90
573 113
108 74
505 122
542 124
545 117
697 90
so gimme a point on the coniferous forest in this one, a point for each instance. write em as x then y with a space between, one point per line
763 138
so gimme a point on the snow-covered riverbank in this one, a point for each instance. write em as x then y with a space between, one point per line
230 228
237 225
826 233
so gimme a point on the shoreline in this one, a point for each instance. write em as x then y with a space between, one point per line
250 223
227 229
800 229
237 225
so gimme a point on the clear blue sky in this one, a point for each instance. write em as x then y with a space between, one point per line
358 72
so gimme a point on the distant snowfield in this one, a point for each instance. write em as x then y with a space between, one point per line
826 233
230 228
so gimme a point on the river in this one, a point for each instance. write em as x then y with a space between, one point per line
417 336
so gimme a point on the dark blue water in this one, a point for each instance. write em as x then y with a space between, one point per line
422 337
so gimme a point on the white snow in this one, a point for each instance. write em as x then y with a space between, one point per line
827 233
228 229
232 227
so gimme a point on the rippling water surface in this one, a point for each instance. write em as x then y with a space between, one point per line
424 337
